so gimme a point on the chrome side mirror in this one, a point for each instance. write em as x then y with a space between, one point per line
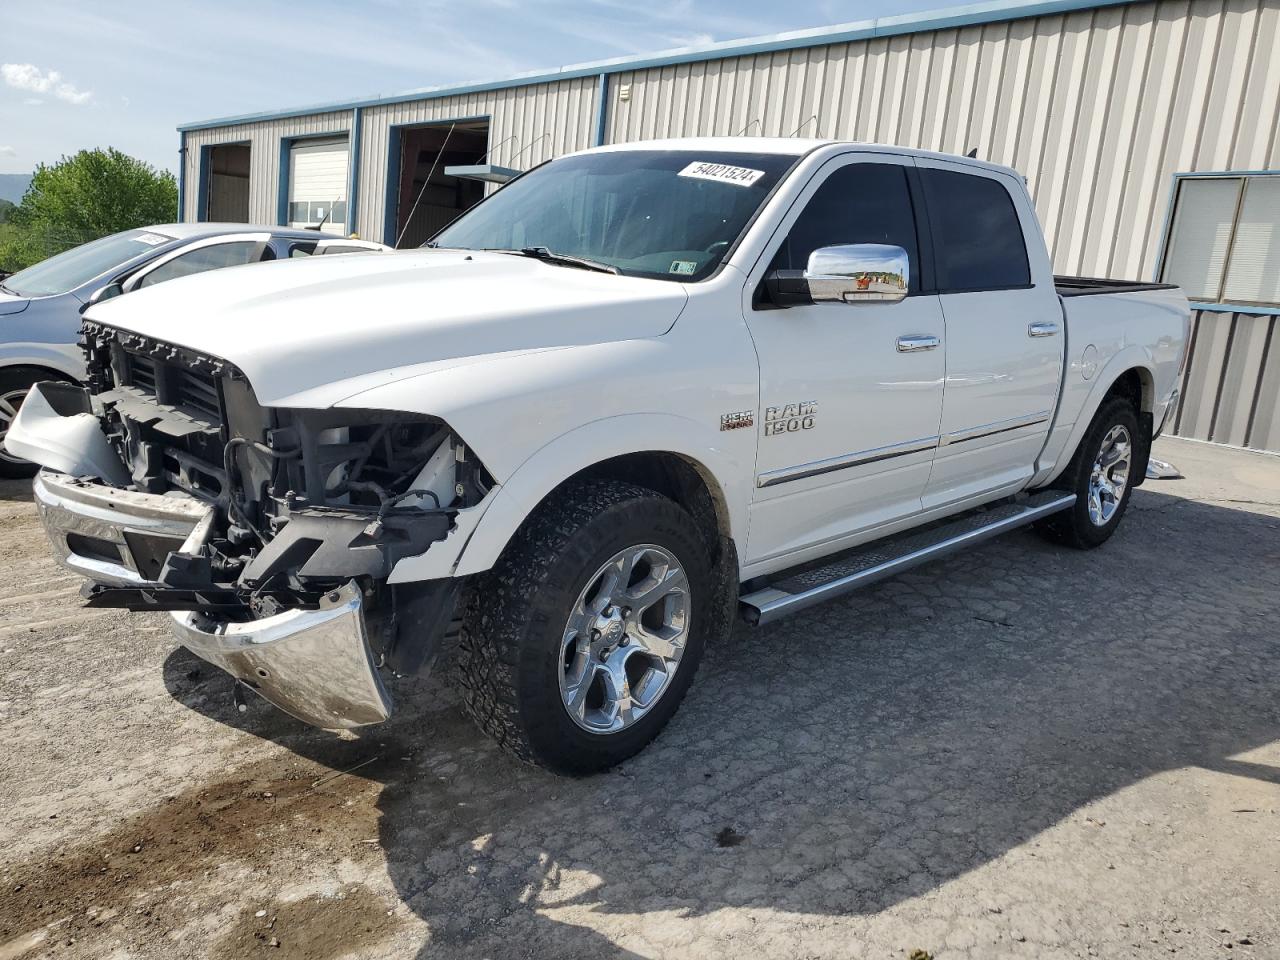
858 273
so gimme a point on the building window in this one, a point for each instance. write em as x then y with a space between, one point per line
1224 239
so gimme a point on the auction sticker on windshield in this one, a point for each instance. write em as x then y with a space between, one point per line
722 173
152 239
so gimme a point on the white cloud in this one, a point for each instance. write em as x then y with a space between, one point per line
7 151
27 76
32 101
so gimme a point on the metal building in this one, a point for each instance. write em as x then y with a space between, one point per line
1147 132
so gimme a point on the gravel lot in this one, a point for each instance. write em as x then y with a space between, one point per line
1021 751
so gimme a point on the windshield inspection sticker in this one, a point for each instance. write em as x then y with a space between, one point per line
684 267
152 239
721 173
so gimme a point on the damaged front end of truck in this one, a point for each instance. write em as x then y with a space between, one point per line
267 533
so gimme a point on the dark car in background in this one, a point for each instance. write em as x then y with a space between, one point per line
40 307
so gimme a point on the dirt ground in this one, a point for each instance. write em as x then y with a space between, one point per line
1018 752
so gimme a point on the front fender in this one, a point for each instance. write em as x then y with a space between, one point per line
509 505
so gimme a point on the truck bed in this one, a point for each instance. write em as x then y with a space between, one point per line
1093 286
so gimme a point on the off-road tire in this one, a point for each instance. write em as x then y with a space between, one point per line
1073 527
509 657
12 381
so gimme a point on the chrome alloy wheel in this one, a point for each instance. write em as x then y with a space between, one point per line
624 639
1110 475
9 404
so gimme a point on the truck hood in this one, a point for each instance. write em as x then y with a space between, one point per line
311 325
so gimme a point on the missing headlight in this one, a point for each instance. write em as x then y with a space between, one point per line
339 494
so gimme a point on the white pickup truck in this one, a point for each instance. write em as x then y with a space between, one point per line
635 391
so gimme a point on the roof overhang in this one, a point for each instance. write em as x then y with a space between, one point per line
488 172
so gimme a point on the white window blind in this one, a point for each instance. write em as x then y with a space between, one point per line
1200 235
1254 272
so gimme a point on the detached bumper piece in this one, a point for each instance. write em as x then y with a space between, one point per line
312 661
313 664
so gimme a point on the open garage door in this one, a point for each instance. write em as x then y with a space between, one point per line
318 184
228 172
424 208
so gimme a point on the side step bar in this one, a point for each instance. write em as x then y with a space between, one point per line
883 559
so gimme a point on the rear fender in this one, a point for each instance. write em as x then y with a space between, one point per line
1064 440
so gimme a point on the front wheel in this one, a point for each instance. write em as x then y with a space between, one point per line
577 648
1100 475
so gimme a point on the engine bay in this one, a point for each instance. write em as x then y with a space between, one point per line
301 501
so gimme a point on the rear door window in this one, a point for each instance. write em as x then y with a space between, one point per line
977 240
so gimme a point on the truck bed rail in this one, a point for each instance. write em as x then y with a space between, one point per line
1093 286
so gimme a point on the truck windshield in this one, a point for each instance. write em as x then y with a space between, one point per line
667 214
81 264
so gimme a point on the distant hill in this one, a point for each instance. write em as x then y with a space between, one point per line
13 186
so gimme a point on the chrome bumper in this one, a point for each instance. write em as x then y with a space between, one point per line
111 535
313 664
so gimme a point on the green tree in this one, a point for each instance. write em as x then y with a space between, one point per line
82 198
6 208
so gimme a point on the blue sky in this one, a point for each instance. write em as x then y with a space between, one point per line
79 74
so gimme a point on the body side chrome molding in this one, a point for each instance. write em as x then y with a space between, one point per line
999 426
845 461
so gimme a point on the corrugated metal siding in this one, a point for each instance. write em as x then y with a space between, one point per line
1231 388
264 157
1097 107
546 120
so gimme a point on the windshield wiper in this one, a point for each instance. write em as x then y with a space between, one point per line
8 290
548 256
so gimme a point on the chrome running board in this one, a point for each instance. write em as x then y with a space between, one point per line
884 558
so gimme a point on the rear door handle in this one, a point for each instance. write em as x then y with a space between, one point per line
1044 328
914 344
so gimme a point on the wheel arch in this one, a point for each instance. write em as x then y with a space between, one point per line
1130 374
1137 385
676 476
673 455
40 367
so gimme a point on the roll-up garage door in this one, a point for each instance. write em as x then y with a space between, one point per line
318 185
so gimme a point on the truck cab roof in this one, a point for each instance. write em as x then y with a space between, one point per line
794 146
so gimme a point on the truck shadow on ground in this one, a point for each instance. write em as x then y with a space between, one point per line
844 761
16 491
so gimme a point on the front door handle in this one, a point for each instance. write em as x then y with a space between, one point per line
1042 328
916 343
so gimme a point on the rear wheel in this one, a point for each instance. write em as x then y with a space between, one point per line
14 384
577 648
1100 474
